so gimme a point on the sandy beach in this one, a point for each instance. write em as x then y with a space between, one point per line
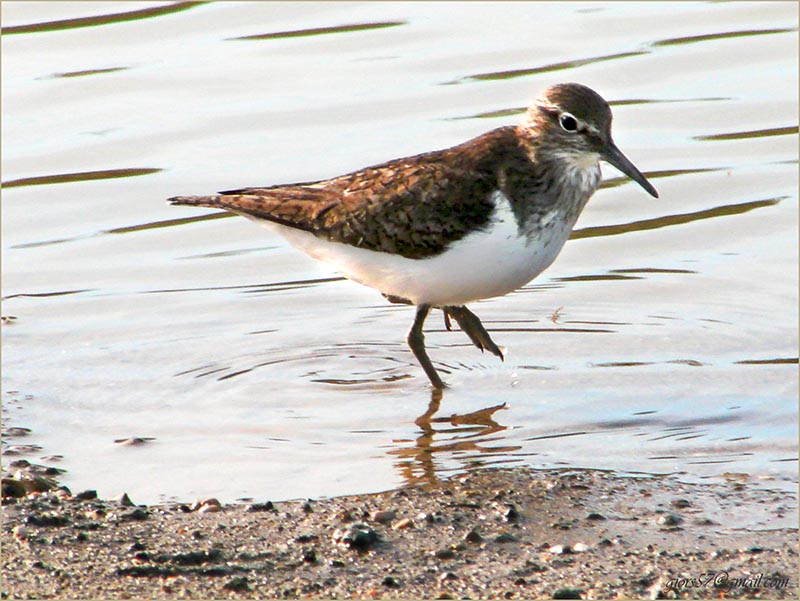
500 533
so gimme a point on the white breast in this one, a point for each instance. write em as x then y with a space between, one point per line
483 264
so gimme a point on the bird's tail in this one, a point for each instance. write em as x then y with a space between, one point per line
197 201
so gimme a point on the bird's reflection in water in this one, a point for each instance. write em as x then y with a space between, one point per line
462 438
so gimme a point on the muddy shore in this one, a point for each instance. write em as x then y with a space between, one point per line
510 533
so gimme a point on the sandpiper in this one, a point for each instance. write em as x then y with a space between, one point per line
448 227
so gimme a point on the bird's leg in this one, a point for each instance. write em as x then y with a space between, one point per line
447 323
416 342
473 328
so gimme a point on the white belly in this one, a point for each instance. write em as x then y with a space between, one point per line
483 264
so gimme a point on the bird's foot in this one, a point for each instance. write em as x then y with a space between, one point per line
472 327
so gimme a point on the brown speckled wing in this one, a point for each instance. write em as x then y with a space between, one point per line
414 207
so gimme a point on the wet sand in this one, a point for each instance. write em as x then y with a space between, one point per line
500 533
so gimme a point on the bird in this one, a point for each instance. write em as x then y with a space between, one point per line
445 228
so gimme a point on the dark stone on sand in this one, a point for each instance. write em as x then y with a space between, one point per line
670 520
86 495
238 584
13 488
192 558
473 537
568 593
512 515
310 556
390 582
358 536
147 571
48 520
594 516
137 515
255 507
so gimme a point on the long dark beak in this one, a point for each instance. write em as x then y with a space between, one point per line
614 156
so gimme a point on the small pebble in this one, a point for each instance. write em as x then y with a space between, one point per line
20 533
345 515
48 520
536 567
681 503
238 584
16 432
310 556
383 517
594 516
580 548
431 518
669 519
197 505
256 507
21 449
133 441
33 483
403 524
561 525
444 554
63 492
390 582
13 488
358 536
473 537
86 495
123 500
137 515
505 537
568 593
307 507
512 515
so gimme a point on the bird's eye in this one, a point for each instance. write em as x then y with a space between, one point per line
568 122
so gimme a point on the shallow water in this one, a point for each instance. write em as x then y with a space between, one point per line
663 339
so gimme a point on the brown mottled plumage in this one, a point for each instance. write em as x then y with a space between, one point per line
414 207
